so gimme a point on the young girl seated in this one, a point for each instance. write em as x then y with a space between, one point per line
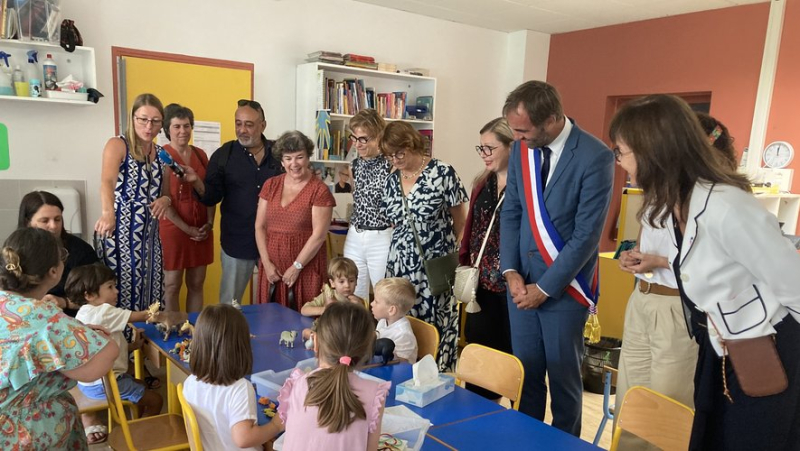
94 289
223 400
332 408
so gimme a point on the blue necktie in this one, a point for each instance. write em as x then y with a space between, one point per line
545 165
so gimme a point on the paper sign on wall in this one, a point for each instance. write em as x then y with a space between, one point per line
207 135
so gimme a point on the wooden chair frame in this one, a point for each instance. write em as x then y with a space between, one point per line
427 337
654 417
492 370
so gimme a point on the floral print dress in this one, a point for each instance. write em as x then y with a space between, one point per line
437 190
38 341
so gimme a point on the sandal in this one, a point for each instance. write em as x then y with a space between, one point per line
152 382
93 431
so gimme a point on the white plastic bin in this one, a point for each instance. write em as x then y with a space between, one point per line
269 383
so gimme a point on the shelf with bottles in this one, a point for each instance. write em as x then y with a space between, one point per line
80 64
362 88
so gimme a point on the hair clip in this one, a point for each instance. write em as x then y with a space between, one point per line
345 360
12 267
715 134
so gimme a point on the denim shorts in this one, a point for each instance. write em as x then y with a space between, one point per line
129 389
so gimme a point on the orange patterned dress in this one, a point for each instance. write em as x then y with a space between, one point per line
288 229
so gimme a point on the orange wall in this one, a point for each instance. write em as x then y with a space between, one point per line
784 118
714 51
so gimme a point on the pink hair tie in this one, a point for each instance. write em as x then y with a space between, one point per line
345 360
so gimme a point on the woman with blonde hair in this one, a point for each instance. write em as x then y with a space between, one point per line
370 233
490 326
134 195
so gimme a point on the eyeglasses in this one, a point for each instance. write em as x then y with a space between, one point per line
63 254
144 121
399 155
360 139
486 151
618 154
252 104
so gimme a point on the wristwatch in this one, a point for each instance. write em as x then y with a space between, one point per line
297 264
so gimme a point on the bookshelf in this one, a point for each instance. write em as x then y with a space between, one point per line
80 63
319 83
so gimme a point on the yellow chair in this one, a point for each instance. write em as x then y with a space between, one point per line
427 337
158 433
492 370
656 418
190 421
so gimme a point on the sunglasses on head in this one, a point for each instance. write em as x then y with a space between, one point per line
252 104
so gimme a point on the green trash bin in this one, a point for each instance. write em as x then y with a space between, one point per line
595 357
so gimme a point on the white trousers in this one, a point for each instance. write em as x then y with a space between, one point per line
369 249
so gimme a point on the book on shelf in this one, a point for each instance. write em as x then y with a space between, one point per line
427 136
323 56
358 58
351 95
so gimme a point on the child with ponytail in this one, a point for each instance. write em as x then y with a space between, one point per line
331 407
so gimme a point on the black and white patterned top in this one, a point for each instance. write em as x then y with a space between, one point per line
370 184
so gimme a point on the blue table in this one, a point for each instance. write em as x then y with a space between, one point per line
507 429
266 322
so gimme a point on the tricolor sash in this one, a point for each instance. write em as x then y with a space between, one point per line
544 232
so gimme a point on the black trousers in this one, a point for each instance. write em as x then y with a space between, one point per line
766 423
489 327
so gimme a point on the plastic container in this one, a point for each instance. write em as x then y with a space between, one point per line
269 383
77 96
35 87
20 85
49 73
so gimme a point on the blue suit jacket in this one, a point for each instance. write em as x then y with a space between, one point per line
577 198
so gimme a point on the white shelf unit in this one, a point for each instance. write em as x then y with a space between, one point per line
785 207
80 63
310 94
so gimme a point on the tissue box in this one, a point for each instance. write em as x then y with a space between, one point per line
269 383
422 396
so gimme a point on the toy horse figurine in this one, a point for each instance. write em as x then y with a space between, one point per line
186 329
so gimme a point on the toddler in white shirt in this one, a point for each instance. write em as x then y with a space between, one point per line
394 297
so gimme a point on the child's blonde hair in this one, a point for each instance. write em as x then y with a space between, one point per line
342 267
345 336
220 349
398 292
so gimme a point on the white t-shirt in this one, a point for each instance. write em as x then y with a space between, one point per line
218 408
114 319
657 241
400 332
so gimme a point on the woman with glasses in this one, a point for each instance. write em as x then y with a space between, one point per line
134 195
490 326
737 277
430 193
44 210
370 233
44 352
186 233
292 221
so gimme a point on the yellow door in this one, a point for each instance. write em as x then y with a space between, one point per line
210 88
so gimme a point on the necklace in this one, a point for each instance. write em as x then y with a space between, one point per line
414 174
255 154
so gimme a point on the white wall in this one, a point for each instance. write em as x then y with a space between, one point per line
50 141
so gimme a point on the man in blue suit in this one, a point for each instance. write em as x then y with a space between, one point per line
557 197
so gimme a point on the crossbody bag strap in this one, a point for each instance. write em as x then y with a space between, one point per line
410 219
488 231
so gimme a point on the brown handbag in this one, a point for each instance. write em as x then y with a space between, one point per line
756 363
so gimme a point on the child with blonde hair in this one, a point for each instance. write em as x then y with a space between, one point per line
332 408
394 297
222 399
342 276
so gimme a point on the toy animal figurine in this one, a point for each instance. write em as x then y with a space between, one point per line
186 329
166 329
182 349
287 338
384 348
152 311
236 304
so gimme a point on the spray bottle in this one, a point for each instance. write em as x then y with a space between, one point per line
33 74
50 73
6 88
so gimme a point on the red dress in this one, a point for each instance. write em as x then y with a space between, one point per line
288 229
179 250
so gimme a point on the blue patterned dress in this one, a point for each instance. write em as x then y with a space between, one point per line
134 249
437 190
38 341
